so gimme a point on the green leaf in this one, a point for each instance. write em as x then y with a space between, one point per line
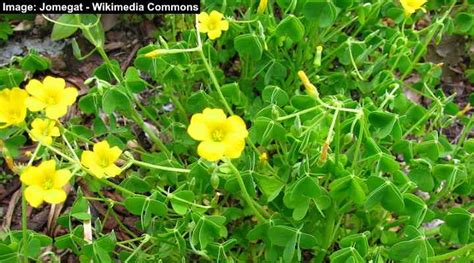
275 95
89 103
181 207
290 27
357 241
459 220
415 207
345 255
464 22
270 186
133 81
62 31
11 77
266 130
469 146
280 235
136 184
34 62
430 149
420 173
383 122
114 99
321 11
248 46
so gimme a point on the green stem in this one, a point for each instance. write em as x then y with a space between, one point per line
24 226
24 223
215 82
458 252
160 167
245 194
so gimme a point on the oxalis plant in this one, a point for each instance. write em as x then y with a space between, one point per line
256 131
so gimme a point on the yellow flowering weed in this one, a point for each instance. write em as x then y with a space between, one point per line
213 24
45 183
51 95
42 130
101 161
410 6
13 107
219 136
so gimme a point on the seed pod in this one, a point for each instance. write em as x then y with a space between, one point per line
348 138
214 181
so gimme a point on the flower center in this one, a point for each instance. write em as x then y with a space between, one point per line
217 135
47 184
104 162
213 24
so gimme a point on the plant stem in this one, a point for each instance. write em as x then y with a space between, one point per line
245 194
215 82
24 223
24 226
160 167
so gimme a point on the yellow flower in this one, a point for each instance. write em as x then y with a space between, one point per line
410 6
262 6
263 157
51 95
213 24
42 130
13 107
220 136
45 183
309 87
101 161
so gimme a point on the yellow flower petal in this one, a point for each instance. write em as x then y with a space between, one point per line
234 147
48 167
35 88
198 129
61 178
216 15
54 196
34 195
214 117
236 127
214 34
112 170
224 25
35 104
13 106
69 96
88 159
54 83
211 151
56 111
101 148
203 19
31 176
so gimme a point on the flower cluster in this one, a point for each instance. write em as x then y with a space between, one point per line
44 183
51 95
220 136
